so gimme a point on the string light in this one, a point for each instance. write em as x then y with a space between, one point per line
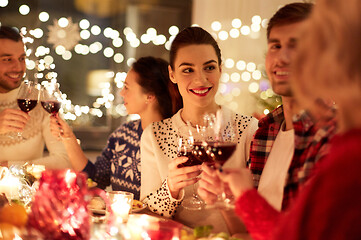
246 72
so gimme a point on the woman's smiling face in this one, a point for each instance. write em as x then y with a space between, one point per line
197 73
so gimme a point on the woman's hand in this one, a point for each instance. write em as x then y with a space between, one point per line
59 128
12 120
181 177
209 185
235 181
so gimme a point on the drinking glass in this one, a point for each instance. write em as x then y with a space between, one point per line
50 97
190 144
27 99
222 141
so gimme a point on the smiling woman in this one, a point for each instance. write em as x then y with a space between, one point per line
147 92
195 66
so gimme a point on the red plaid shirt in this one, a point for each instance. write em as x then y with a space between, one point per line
311 144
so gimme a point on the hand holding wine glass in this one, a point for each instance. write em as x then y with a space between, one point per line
222 142
27 98
190 145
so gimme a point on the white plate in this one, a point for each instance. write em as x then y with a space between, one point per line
98 211
138 209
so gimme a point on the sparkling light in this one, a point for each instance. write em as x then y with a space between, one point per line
24 9
37 32
115 34
235 77
131 37
269 93
43 16
256 19
117 42
67 55
63 22
95 30
60 50
253 87
246 76
223 35
48 59
145 38
135 43
84 34
266 111
241 65
160 40
118 58
127 30
225 77
84 24
108 52
130 61
251 67
234 33
108 32
229 63
257 75
30 64
216 26
264 23
245 30
236 23
4 3
222 88
173 30
255 27
152 33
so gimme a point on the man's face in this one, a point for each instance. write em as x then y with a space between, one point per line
12 64
282 44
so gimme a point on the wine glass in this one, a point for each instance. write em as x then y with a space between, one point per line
27 99
190 145
222 141
50 97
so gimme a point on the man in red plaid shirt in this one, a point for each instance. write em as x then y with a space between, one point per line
286 147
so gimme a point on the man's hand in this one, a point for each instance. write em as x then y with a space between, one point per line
12 120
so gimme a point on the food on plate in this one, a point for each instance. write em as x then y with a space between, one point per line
14 214
91 183
97 203
137 205
204 233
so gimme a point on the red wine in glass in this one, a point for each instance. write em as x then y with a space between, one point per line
192 159
51 107
220 152
26 105
200 152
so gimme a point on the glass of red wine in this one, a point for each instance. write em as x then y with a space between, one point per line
50 97
27 99
222 141
191 145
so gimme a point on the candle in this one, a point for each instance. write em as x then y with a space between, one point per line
121 204
9 184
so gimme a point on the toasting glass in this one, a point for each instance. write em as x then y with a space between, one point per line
50 97
27 99
222 141
189 145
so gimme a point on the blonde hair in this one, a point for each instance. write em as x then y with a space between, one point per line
327 64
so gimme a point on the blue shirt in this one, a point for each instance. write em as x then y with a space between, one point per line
119 164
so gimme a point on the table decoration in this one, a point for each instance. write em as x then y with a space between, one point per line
121 204
59 210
